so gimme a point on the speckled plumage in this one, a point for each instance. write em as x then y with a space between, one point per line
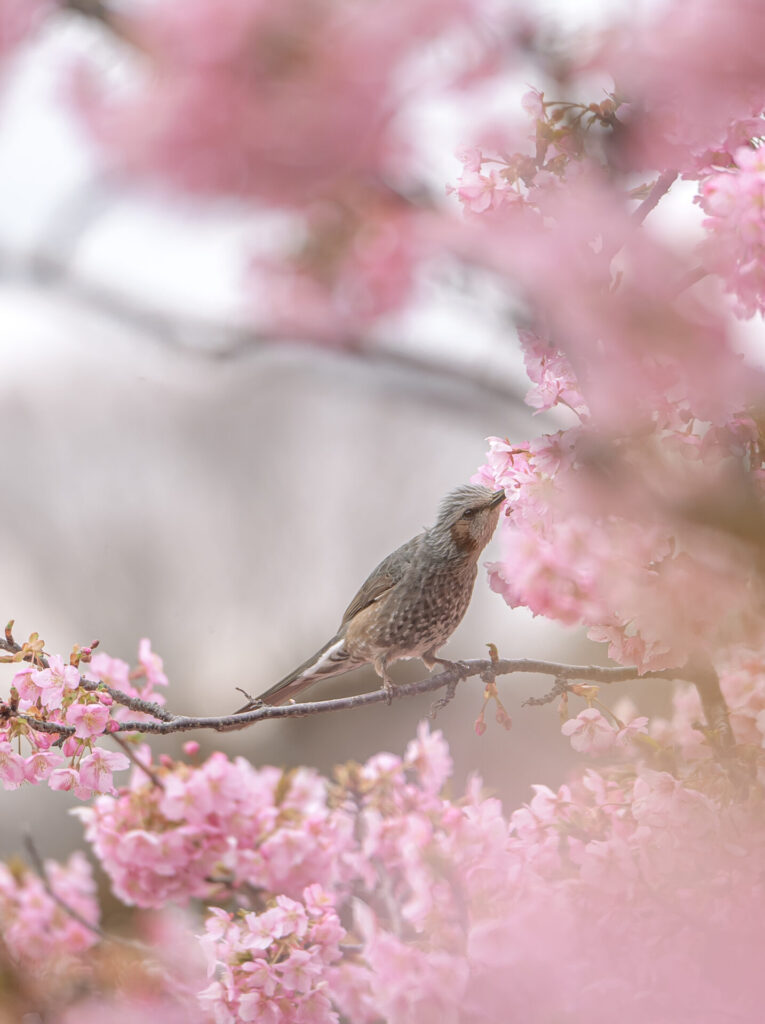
412 602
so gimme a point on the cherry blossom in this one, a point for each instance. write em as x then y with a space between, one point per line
88 719
590 732
736 245
36 930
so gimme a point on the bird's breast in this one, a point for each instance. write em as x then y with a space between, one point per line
420 612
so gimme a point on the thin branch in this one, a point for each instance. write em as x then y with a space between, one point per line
559 688
39 866
98 11
689 279
211 339
660 188
147 707
446 679
698 671
130 754
707 683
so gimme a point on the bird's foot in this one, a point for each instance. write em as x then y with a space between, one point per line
253 703
463 666
389 688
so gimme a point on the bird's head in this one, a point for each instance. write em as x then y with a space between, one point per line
468 516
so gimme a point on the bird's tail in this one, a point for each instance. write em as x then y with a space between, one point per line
332 659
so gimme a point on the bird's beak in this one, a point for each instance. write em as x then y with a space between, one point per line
496 498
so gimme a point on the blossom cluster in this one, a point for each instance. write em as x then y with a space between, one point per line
308 89
59 694
223 824
693 74
578 550
614 521
36 930
735 199
273 966
440 908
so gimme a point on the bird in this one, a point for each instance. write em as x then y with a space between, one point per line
410 604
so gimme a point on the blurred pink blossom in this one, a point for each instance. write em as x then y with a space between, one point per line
735 250
590 732
18 19
282 103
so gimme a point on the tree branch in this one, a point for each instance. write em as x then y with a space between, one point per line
39 866
699 670
449 678
660 188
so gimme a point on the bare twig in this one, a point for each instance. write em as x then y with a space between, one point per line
660 188
137 761
161 722
96 10
689 279
707 682
559 688
147 707
449 677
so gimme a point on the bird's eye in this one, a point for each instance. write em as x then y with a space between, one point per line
468 513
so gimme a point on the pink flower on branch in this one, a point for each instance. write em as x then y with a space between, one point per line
55 680
735 202
88 719
96 769
151 663
590 732
13 769
688 71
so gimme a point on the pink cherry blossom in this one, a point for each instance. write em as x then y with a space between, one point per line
552 373
736 250
37 931
12 767
40 765
590 732
151 663
96 769
55 680
430 758
112 671
88 719
328 71
64 779
280 979
689 73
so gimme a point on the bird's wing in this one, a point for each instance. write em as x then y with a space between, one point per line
380 580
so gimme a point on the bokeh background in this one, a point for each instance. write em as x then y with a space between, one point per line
171 471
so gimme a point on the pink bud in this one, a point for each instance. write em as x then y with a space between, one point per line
166 761
504 719
480 726
71 746
106 698
112 726
190 748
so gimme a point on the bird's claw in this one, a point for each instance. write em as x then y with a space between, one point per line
388 688
445 665
253 703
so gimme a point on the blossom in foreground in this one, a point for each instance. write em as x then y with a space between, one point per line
734 199
37 931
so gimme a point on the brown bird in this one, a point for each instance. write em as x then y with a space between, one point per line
411 603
